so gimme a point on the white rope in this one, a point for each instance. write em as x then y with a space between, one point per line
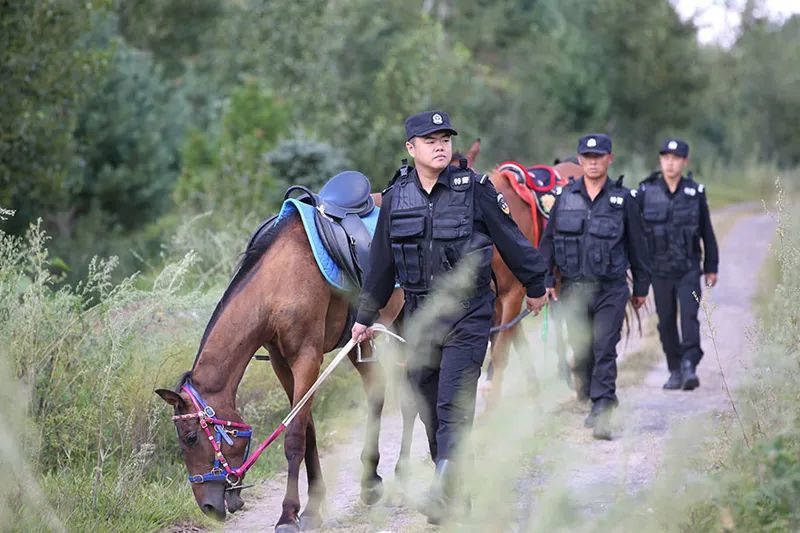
377 328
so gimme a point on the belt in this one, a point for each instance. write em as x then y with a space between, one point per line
598 283
416 299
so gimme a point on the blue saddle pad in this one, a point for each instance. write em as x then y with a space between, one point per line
333 274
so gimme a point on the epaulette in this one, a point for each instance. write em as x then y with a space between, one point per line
483 179
618 183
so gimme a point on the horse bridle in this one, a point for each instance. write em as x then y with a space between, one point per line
226 430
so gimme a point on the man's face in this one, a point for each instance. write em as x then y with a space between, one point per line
672 165
595 166
432 151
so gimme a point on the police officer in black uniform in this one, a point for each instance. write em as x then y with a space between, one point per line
594 234
434 216
676 217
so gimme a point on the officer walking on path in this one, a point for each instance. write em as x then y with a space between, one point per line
433 217
676 217
595 233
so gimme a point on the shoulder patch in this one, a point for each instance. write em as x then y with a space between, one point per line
634 192
701 188
483 179
460 181
502 204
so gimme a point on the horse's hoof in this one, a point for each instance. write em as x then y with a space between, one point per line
310 521
287 528
370 494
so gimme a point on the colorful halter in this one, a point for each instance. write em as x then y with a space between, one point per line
223 430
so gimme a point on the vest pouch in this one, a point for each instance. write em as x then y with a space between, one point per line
446 228
690 241
659 240
604 226
570 221
599 259
567 252
655 212
684 215
406 225
408 262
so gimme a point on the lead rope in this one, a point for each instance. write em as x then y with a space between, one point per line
378 328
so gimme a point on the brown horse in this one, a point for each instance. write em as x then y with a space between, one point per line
279 299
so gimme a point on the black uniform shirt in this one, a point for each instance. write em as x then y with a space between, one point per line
710 250
518 253
635 243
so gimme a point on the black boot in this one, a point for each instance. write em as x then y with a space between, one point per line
591 419
690 379
602 420
675 380
439 496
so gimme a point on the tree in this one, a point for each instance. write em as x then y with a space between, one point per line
47 70
127 137
303 161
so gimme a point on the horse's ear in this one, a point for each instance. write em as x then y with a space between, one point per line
472 153
171 397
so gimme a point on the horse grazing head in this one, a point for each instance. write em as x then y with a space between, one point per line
213 485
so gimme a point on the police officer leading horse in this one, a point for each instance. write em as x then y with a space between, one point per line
595 233
433 217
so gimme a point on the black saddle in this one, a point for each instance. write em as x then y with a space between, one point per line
340 204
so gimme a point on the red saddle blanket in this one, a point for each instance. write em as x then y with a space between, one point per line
537 187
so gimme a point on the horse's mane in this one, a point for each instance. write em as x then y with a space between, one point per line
259 244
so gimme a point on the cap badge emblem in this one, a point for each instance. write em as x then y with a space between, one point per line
437 119
673 145
591 143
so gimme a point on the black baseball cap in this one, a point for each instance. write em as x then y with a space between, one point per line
675 146
428 122
594 143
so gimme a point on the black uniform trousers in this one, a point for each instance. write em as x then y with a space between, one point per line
594 312
671 294
444 370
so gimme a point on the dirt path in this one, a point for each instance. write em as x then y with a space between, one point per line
565 463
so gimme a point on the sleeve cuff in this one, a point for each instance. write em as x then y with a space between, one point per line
710 269
535 290
641 288
366 317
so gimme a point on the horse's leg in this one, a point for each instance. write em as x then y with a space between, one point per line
523 346
375 387
511 302
557 327
311 516
304 370
409 411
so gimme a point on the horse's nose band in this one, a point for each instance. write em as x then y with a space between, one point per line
223 430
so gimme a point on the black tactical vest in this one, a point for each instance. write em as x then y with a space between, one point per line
588 240
430 235
672 225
